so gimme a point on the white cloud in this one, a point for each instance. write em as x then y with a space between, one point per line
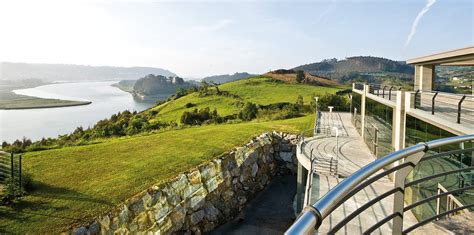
417 20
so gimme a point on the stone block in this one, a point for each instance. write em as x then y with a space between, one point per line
197 217
254 170
212 213
286 156
198 199
177 217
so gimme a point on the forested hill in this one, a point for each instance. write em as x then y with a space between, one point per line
69 72
367 68
227 77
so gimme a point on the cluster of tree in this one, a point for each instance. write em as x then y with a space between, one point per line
339 102
201 116
120 124
274 111
300 76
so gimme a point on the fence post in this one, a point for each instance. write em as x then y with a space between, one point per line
383 91
399 196
19 176
11 167
459 108
433 103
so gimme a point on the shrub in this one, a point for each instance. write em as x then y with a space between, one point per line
248 112
202 116
189 105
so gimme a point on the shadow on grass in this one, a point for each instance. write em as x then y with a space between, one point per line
51 192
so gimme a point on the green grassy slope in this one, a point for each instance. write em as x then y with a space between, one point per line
259 90
78 183
265 90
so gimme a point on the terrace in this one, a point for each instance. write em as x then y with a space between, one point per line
401 162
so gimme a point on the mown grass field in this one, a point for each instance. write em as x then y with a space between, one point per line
75 184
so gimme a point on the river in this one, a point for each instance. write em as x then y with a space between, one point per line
51 122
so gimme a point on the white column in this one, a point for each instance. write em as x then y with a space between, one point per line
398 127
362 111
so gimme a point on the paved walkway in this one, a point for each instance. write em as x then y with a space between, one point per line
352 153
271 212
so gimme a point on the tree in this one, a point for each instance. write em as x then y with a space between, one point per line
248 112
5 144
300 76
299 101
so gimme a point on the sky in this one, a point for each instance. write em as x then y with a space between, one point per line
200 38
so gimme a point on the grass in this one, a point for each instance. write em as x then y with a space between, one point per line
265 90
75 184
259 90
171 111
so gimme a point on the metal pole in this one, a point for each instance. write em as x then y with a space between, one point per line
433 103
19 177
11 167
390 93
337 141
383 91
416 95
459 108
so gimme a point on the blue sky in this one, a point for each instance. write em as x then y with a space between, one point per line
195 39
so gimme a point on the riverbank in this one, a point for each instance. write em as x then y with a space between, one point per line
9 100
39 103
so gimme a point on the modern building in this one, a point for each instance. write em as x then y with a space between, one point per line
437 179
391 119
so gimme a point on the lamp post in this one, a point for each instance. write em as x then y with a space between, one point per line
316 117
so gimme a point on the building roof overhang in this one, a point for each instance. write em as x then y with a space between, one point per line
458 57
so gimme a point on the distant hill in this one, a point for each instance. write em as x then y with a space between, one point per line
220 79
368 68
67 72
157 87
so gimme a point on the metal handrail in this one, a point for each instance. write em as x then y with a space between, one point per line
313 215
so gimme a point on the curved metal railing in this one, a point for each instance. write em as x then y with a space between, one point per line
312 216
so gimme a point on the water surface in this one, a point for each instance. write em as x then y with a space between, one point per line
51 122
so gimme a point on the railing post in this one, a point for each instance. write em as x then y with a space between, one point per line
399 196
390 93
383 91
433 103
459 108
416 99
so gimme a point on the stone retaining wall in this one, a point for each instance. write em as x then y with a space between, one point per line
207 196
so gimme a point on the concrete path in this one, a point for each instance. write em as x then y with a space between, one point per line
352 154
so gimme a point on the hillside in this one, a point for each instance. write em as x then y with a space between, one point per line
219 79
68 72
368 68
262 90
75 183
